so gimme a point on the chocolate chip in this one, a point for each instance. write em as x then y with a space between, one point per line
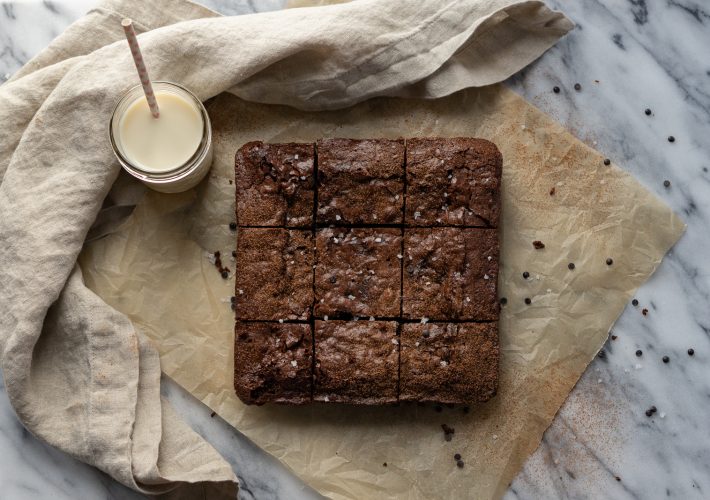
232 299
225 274
607 161
459 464
648 112
552 191
213 414
609 261
617 478
526 275
503 301
577 87
233 226
634 302
639 353
602 354
671 138
649 413
457 456
234 253
556 89
691 351
528 301
644 311
666 359
539 245
614 337
667 183
384 464
216 254
653 409
570 266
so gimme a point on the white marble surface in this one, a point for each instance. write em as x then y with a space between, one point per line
628 56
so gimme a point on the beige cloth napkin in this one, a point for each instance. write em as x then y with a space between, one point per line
76 371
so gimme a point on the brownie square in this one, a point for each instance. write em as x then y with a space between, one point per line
357 362
358 272
450 273
360 181
453 182
449 363
274 278
275 184
273 362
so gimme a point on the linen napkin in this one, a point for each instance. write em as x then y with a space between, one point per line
77 373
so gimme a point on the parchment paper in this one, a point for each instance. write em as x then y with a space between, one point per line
154 269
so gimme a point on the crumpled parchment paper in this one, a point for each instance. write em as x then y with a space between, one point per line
155 270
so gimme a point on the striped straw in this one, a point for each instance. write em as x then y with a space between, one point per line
140 66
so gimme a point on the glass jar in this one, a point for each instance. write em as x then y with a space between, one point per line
178 178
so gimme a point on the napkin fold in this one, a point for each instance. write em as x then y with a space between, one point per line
77 372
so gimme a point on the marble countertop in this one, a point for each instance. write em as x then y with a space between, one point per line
628 57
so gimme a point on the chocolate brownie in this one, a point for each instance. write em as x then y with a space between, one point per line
356 362
272 363
453 182
449 363
450 273
274 278
275 184
357 272
360 181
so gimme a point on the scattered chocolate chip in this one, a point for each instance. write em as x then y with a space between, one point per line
503 301
528 301
667 183
526 275
233 226
213 414
225 274
602 354
644 311
552 191
671 138
649 413
607 161
653 409
577 87
232 299
617 478
648 112
666 359
539 245
634 302
457 456
614 337
691 351
384 464
438 408
230 181
459 464
234 253
639 353
556 89
570 266
609 261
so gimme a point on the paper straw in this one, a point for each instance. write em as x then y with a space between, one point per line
140 66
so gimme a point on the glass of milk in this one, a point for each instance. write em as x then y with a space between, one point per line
171 153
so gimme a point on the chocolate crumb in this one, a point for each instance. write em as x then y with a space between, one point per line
691 351
384 464
607 161
648 112
649 413
671 138
556 89
617 478
459 464
634 302
233 226
230 182
213 414
552 191
570 266
539 245
667 183
609 261
526 275
644 311
639 353
225 274
602 354
577 87
503 301
457 456
666 359
234 253
232 299
614 337
528 301
653 409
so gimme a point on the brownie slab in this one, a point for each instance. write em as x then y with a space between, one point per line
274 278
275 184
356 362
360 181
450 273
273 363
449 363
357 272
453 182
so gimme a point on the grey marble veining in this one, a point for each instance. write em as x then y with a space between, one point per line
627 56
